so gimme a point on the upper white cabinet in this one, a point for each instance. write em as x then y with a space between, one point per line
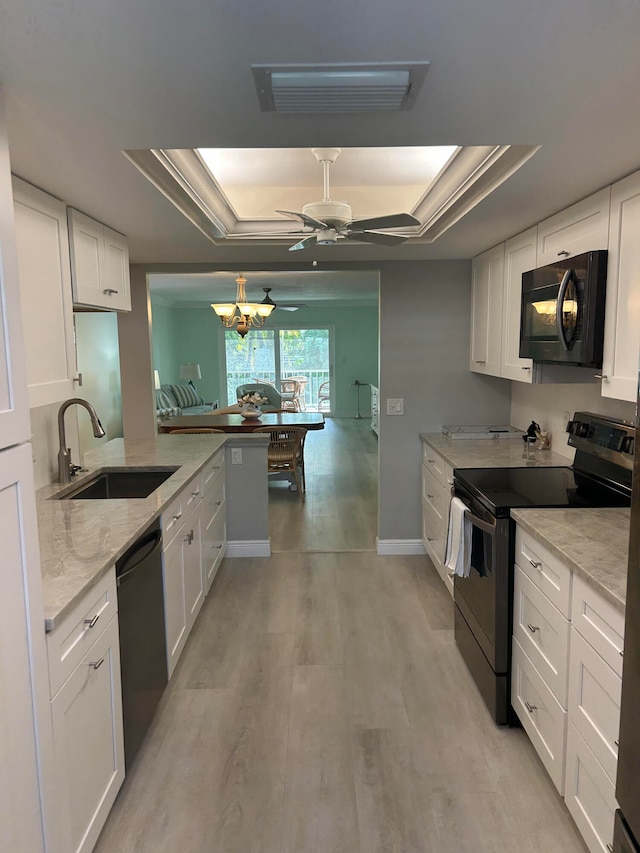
45 291
487 284
580 228
99 264
622 313
519 256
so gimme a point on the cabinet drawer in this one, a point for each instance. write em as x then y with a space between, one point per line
540 713
68 642
213 469
436 495
433 534
594 702
214 539
543 633
192 494
589 794
546 570
434 463
185 501
599 622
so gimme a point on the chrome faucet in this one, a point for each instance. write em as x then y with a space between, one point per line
66 469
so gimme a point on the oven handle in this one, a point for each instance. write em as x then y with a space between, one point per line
478 522
562 292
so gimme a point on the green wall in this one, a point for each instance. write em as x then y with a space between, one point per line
182 335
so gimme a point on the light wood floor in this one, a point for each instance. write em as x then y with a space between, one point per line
321 706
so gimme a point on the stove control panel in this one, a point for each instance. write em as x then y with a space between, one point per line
601 436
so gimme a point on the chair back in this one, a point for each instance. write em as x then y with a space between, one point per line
286 443
269 391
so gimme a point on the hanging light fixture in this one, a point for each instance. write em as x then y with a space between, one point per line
241 314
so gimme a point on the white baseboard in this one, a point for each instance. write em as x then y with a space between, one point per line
392 547
249 548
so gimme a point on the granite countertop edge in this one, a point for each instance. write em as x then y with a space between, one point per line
80 541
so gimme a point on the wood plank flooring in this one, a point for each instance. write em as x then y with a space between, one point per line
321 706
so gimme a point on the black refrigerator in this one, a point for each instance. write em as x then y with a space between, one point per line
627 825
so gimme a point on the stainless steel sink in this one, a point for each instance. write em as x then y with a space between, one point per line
110 484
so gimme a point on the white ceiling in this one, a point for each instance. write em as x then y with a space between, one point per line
86 80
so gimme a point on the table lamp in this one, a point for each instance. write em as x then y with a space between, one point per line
190 372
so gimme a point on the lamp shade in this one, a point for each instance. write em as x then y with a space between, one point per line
156 380
190 371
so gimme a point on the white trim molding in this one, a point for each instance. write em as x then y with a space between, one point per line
394 547
249 548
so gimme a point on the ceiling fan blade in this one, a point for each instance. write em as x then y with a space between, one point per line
298 233
304 244
394 220
376 237
293 306
309 221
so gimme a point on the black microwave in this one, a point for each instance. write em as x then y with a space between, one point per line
562 311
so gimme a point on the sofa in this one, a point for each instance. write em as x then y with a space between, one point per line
175 400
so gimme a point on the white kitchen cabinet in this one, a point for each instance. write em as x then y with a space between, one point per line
89 741
487 287
437 479
519 257
375 409
622 312
175 601
191 539
45 292
99 264
213 514
583 227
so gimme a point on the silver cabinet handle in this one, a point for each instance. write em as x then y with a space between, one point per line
195 494
526 368
218 503
431 539
189 537
177 517
621 653
430 497
536 564
96 664
451 573
108 291
563 253
530 708
91 622
450 482
431 461
532 628
617 742
602 376
477 361
610 847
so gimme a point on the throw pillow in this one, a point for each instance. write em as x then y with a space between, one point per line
184 395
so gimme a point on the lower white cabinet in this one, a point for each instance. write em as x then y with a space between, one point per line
214 523
437 479
88 740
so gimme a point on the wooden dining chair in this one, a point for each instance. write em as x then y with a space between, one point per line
286 453
290 392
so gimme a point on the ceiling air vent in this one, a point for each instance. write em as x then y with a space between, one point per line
338 88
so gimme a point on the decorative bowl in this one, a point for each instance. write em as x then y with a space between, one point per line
251 414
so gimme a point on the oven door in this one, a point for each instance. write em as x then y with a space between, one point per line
484 598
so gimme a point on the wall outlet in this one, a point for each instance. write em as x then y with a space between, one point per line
236 456
395 406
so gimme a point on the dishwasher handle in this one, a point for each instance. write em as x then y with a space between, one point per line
137 555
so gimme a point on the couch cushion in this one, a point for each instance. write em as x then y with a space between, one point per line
184 395
165 400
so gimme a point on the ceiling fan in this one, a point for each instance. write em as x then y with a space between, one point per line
331 220
289 306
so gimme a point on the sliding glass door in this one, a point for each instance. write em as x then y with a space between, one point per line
277 353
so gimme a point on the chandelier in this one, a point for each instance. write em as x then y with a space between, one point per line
241 314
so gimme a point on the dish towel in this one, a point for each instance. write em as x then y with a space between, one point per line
458 551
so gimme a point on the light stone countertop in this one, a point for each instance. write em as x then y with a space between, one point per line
81 540
594 543
491 452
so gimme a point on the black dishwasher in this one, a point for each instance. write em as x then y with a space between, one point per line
143 655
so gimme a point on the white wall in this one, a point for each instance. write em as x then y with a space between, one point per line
552 405
424 358
44 440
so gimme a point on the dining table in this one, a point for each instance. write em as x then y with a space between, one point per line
235 423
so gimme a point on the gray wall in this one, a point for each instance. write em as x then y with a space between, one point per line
424 358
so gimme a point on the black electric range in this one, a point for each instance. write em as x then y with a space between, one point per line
599 477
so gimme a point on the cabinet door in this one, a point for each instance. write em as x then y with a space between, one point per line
22 661
213 512
45 291
580 228
89 741
175 607
622 313
487 285
115 271
519 256
86 238
14 406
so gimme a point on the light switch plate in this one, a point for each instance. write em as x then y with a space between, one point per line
395 406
